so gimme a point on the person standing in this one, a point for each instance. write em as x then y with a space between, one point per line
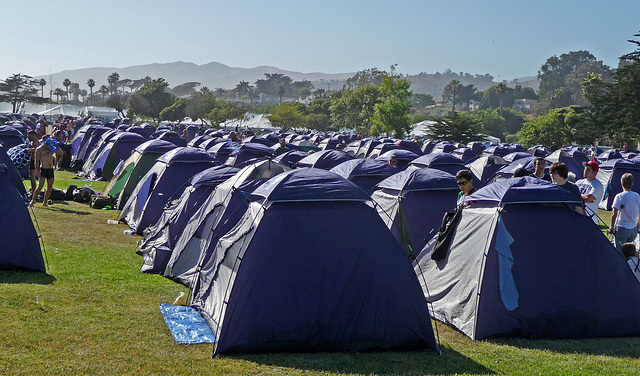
625 212
44 168
591 189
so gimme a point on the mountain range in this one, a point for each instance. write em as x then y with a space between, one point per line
216 75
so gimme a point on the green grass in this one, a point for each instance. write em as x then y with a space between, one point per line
97 315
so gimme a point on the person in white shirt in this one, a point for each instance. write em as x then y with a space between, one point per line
625 213
591 189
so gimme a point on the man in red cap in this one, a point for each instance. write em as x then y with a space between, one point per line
591 189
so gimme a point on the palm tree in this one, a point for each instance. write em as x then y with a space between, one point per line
501 89
281 91
453 88
91 83
67 83
103 90
75 90
42 83
112 80
58 93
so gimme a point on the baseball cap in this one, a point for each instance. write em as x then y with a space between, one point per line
593 165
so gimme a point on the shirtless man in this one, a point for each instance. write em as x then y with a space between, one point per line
44 168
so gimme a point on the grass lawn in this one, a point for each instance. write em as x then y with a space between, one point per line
95 314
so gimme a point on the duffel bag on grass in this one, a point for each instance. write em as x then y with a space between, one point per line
100 201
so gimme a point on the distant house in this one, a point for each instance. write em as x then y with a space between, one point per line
525 105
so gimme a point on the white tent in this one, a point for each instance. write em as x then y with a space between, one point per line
74 110
420 129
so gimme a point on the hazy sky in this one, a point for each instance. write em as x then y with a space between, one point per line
507 39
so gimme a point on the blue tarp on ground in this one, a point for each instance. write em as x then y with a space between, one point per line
186 325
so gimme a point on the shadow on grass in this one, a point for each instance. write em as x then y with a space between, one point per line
68 211
26 277
621 347
376 363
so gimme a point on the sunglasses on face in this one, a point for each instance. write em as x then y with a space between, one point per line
462 182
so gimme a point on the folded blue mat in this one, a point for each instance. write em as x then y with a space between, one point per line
186 325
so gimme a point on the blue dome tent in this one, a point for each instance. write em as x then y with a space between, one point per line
499 277
262 291
413 202
166 180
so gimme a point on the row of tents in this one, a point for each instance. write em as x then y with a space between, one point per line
281 258
285 250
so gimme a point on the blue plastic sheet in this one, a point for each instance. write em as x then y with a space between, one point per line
186 325
508 290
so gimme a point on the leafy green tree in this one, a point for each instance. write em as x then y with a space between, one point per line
554 71
513 120
497 96
422 100
302 88
135 85
467 94
371 76
320 105
573 81
457 127
19 88
549 130
91 83
615 107
583 130
118 102
355 108
125 82
318 122
287 116
225 111
526 92
492 122
391 115
175 112
186 88
201 104
271 82
151 99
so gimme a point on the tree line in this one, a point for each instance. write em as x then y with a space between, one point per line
580 100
